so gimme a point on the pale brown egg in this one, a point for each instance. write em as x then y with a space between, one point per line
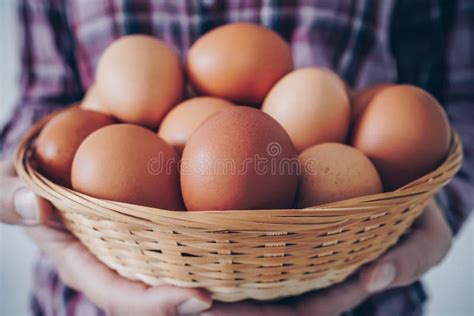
334 172
405 132
185 118
139 79
240 158
61 136
361 98
312 105
91 101
128 163
239 62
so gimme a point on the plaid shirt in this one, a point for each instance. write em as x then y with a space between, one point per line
428 43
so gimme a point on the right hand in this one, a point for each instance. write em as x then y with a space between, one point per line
79 269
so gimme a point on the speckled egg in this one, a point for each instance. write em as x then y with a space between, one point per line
334 172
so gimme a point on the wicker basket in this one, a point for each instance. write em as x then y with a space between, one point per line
264 254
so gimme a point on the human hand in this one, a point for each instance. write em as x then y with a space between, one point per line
79 269
423 248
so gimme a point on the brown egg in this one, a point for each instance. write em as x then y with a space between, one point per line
91 101
312 105
361 98
240 158
128 163
182 121
239 62
61 136
405 132
139 79
334 172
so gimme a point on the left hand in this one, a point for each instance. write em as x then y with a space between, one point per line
80 269
425 247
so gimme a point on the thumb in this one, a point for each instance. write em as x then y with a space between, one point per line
21 206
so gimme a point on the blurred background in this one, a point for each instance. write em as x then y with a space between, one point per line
450 286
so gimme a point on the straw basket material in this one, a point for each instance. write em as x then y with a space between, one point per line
258 254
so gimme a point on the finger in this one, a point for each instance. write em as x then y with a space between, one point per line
422 249
334 300
118 295
20 206
79 269
250 308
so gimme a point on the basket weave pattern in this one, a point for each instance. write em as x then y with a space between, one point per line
239 254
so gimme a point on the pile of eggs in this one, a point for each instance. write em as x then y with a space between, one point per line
255 133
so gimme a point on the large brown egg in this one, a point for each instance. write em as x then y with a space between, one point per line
91 101
182 120
334 172
240 158
240 62
61 136
405 132
128 163
361 98
139 79
312 105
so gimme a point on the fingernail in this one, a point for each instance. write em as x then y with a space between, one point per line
193 306
383 276
26 205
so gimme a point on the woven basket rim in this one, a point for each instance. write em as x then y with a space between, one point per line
24 168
